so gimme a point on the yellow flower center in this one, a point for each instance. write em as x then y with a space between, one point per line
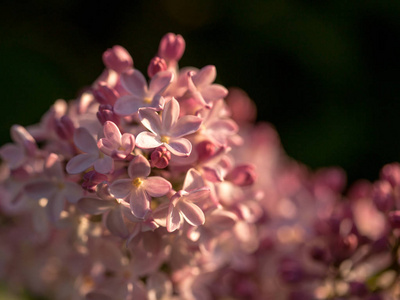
165 139
137 182
147 100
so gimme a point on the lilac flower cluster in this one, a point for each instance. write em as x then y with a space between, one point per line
165 189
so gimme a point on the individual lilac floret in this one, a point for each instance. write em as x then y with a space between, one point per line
64 128
91 179
92 156
167 130
171 47
157 64
106 113
139 94
182 205
114 144
25 145
139 188
105 94
118 59
160 157
54 188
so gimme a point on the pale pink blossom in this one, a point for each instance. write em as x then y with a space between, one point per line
92 155
139 94
115 144
167 129
138 189
118 59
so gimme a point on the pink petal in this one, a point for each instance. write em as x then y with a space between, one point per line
193 180
140 203
174 218
115 224
157 102
80 163
160 214
186 125
72 191
13 155
160 82
128 105
192 213
198 195
221 220
214 92
205 76
104 165
139 167
85 141
170 114
41 188
156 186
147 140
53 166
128 142
179 147
134 82
55 206
95 206
121 188
150 119
212 174
112 133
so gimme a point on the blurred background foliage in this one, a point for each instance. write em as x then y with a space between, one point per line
325 73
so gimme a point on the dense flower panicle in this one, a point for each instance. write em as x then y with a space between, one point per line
162 188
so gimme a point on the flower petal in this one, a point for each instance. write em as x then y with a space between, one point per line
150 119
140 203
85 141
147 140
193 180
80 163
198 195
55 206
14 155
72 191
160 82
179 147
121 188
94 206
170 115
214 92
112 133
134 82
139 167
53 166
205 76
160 214
174 218
41 188
115 224
104 165
157 186
186 125
127 105
191 212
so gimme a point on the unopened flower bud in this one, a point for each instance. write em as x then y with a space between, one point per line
243 175
391 173
91 179
64 128
106 113
22 137
171 47
291 271
160 157
382 194
205 150
118 59
157 64
394 218
358 289
105 94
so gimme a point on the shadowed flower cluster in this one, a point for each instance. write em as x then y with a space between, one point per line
163 188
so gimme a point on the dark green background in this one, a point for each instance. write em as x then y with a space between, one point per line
336 60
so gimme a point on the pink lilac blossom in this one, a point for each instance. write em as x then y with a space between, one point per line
168 190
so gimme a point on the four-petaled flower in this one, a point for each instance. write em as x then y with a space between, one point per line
139 188
168 129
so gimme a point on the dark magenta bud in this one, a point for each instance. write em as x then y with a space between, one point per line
171 47
105 94
160 157
64 128
157 64
106 113
358 289
394 218
205 150
91 179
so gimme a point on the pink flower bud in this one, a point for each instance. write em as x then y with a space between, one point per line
205 150
157 64
358 289
171 47
106 113
105 94
243 109
160 157
118 59
391 173
64 128
382 194
242 175
394 218
91 179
